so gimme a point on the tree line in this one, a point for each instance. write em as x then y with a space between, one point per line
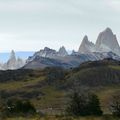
89 104
79 104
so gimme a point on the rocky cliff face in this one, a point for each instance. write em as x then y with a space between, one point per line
107 42
69 61
86 46
106 47
46 52
13 62
62 51
49 53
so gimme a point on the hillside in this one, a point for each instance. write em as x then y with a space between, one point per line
51 87
97 73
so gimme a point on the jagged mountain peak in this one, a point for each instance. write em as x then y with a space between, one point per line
107 41
108 29
85 40
62 51
106 36
13 62
50 53
47 49
12 55
46 52
62 47
12 51
86 46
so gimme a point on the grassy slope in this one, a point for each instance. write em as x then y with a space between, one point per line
53 97
105 94
66 118
19 84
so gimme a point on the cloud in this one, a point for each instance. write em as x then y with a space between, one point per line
38 6
52 23
23 6
114 4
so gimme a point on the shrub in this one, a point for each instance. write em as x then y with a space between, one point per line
115 105
94 105
17 107
84 105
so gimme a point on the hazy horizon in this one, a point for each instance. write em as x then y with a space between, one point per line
30 25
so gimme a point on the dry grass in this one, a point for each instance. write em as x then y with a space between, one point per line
19 84
66 118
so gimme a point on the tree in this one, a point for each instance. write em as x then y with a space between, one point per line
83 105
94 105
115 105
76 105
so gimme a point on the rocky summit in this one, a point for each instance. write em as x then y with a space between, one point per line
62 51
106 42
86 46
49 53
12 63
106 47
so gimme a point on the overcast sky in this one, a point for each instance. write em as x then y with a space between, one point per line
29 25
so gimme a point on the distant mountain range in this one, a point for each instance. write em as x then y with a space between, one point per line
4 56
106 46
13 60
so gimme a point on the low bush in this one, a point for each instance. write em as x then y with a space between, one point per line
17 107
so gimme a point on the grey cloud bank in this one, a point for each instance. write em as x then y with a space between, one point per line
30 25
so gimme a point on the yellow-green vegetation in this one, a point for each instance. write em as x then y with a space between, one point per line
57 99
114 67
66 118
51 94
105 94
52 98
14 85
